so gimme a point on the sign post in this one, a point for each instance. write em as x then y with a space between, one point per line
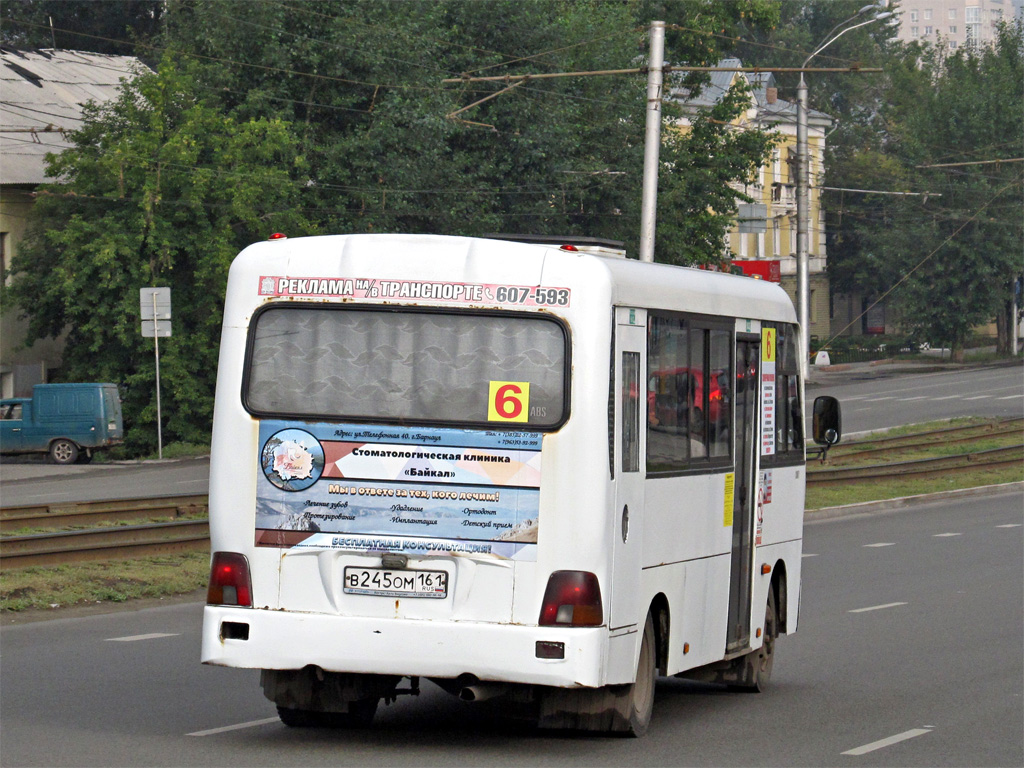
155 309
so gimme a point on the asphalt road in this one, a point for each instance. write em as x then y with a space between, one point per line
883 396
871 398
909 652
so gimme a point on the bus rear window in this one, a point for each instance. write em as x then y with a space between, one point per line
496 370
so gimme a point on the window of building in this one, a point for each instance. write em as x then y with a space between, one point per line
952 29
927 31
952 13
972 14
927 14
913 15
952 43
914 31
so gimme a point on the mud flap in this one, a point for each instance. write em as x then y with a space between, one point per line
586 709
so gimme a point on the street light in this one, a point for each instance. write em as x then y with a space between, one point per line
803 173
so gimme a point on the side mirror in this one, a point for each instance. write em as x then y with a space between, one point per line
827 426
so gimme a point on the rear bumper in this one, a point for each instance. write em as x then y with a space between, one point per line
404 647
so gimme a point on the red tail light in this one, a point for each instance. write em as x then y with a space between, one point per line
572 599
229 580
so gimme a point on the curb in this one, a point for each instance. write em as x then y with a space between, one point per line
904 502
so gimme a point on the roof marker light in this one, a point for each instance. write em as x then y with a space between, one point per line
568 248
278 236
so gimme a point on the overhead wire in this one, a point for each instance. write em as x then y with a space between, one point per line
923 261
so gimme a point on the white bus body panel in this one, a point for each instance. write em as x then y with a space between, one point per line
488 624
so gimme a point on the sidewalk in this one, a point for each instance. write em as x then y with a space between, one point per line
820 375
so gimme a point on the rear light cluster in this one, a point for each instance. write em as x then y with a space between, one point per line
572 599
230 583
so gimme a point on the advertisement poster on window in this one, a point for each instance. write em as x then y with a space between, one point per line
768 339
398 489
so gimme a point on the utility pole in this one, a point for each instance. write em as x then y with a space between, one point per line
803 198
652 141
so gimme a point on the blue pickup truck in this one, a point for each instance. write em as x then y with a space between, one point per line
67 421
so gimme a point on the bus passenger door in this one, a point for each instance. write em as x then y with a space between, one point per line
745 437
630 432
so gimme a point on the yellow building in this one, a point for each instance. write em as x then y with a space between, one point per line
765 232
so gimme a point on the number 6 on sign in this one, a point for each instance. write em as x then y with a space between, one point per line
508 401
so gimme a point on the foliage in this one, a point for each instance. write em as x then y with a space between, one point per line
331 115
160 190
952 257
554 156
101 26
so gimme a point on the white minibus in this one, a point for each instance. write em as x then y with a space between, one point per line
538 470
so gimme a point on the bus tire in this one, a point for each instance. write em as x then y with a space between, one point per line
297 718
757 665
63 451
640 698
360 714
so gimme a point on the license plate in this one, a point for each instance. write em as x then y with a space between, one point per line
402 583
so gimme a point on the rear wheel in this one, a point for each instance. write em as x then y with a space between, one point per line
360 714
641 694
624 709
63 452
757 665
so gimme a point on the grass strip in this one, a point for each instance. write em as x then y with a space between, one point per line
51 587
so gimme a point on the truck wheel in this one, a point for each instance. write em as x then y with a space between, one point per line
63 452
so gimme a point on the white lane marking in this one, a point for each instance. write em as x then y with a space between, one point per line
238 727
133 638
919 397
887 397
807 554
888 742
875 608
947 397
1009 525
882 544
945 535
1011 397
978 397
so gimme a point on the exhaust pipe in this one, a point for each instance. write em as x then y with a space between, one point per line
483 691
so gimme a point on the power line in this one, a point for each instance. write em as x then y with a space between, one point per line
975 162
922 262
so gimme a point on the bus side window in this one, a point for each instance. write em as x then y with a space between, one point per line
717 378
630 411
788 418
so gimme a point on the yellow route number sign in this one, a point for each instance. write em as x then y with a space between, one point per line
509 401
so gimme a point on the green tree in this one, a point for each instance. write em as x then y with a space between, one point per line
101 26
951 259
159 190
332 116
549 156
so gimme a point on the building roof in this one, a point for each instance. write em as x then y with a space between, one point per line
770 111
42 97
